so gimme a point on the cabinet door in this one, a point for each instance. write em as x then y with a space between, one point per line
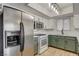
52 40
49 39
70 45
60 42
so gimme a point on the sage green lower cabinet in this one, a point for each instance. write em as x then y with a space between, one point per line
52 40
53 43
60 42
69 45
64 42
49 39
56 41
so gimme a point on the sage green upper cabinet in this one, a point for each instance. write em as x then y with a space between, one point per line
76 21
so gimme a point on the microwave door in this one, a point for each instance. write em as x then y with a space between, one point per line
21 38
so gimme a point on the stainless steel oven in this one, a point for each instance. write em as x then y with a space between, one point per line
42 42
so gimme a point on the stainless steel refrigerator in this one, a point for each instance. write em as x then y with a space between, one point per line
17 32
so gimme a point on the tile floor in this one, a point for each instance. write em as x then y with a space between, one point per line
57 52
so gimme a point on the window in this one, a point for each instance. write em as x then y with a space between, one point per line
66 24
63 24
59 24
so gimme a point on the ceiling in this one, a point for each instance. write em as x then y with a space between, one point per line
65 5
45 10
62 6
46 6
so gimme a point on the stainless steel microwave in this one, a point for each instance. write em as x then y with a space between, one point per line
38 25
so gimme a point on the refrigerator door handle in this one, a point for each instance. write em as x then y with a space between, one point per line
21 37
